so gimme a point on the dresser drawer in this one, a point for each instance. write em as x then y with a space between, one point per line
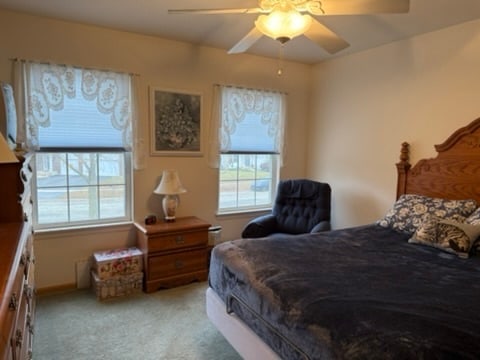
178 263
17 289
21 334
177 240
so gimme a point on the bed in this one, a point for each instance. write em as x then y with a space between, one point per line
404 287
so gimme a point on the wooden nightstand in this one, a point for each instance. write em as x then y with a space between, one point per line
174 253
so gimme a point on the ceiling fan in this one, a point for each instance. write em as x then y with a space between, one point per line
283 20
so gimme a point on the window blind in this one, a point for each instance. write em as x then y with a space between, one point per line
251 121
77 108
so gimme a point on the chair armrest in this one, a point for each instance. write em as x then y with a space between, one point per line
260 227
321 226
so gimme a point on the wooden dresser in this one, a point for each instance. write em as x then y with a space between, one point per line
17 289
175 253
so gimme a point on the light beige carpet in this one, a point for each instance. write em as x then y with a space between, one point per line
167 324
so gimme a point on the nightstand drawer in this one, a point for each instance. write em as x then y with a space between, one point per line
178 263
177 241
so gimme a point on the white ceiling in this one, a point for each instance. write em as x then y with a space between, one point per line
223 31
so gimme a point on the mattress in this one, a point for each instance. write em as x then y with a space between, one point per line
356 293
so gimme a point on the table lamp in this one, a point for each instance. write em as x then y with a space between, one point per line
170 186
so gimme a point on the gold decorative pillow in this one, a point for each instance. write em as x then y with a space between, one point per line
448 235
474 218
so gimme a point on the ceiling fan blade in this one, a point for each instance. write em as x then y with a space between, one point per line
325 38
247 41
360 7
216 11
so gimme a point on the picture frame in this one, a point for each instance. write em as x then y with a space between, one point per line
176 122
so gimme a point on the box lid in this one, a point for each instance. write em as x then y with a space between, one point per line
116 254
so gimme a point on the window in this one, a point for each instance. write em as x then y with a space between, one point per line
250 145
86 187
78 124
246 181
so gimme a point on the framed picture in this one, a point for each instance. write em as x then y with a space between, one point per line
176 124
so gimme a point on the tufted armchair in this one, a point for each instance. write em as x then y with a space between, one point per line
301 206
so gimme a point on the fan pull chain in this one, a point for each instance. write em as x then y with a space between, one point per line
280 60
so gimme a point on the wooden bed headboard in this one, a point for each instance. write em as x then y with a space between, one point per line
453 174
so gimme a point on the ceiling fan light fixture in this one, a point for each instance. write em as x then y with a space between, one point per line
283 23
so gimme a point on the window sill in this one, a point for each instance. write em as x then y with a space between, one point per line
94 229
242 212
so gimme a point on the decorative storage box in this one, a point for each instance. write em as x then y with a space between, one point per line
117 286
111 263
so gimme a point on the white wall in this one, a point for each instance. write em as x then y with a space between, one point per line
164 64
365 105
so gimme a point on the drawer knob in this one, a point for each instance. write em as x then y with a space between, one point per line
30 324
29 291
13 304
178 264
18 338
179 239
23 260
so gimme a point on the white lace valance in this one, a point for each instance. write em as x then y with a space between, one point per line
72 107
246 121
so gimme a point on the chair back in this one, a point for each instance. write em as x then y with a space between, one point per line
300 204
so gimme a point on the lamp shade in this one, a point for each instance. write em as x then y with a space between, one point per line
170 184
283 23
6 154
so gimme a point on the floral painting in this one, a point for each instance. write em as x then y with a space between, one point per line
176 123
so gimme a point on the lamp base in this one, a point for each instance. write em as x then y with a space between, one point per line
169 204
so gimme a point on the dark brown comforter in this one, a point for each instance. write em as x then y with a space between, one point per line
357 293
